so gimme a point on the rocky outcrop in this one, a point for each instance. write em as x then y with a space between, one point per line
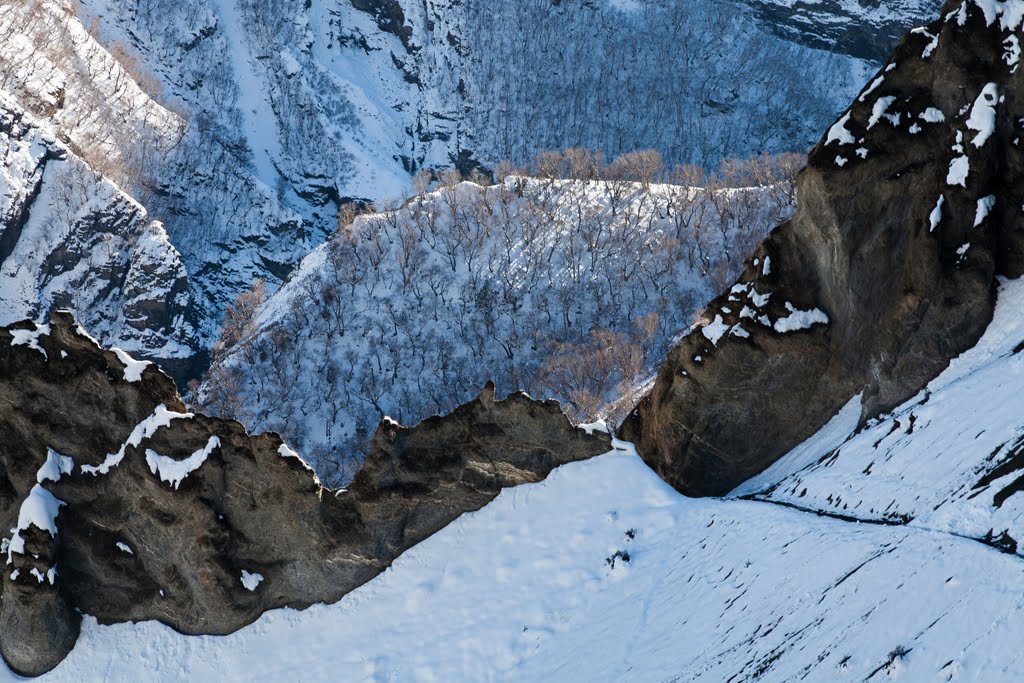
866 30
125 506
908 209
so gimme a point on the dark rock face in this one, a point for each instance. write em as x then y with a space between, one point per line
389 16
867 29
908 209
139 510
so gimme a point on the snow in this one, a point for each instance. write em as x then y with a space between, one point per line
55 467
1009 12
827 439
251 580
959 169
839 133
97 233
50 575
133 369
256 115
985 206
936 215
124 548
940 460
800 320
468 283
161 417
80 331
983 114
30 338
933 41
291 65
1012 51
39 509
176 471
880 110
871 88
599 427
715 330
767 270
932 115
258 119
285 452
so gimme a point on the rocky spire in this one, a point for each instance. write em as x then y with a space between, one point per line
909 208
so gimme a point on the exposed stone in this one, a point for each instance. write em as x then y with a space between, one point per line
890 256
202 526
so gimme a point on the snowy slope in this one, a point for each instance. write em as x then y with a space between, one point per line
948 459
713 589
354 94
764 588
186 171
565 289
70 239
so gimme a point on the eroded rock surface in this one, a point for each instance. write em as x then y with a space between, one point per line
909 208
124 506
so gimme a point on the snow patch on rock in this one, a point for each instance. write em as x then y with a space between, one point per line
133 369
839 133
800 320
985 206
30 338
983 114
161 417
251 580
175 471
936 215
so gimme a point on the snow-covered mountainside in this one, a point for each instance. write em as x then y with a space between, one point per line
636 582
70 239
240 125
111 112
571 289
854 397
863 29
346 96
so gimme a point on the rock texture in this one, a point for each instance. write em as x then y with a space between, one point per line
124 506
867 30
909 208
